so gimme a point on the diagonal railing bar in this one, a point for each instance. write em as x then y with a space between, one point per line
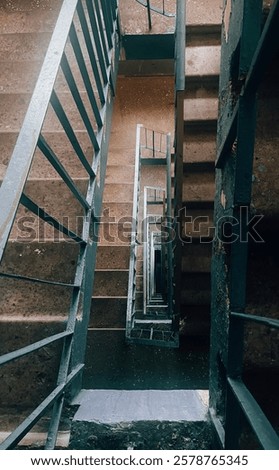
83 112
98 41
89 46
85 75
101 27
35 279
57 165
16 436
9 357
39 212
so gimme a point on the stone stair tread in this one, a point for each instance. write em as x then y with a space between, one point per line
200 109
199 148
14 107
204 12
202 60
29 21
23 46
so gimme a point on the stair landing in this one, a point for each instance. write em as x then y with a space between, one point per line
141 419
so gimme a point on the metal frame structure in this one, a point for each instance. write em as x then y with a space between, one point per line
247 50
98 22
149 317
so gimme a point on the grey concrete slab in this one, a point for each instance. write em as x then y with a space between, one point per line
120 406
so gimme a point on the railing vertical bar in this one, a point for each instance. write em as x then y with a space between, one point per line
85 76
101 30
97 40
107 22
57 165
58 108
80 106
90 49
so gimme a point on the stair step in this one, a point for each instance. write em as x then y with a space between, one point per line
199 148
145 416
110 282
119 174
119 192
108 312
24 18
61 146
196 258
45 260
113 257
200 109
203 34
202 61
197 223
25 383
199 167
58 201
23 46
198 186
204 12
14 107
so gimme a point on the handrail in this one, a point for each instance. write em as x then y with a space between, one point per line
180 44
98 24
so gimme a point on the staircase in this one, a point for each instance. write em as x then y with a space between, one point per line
202 62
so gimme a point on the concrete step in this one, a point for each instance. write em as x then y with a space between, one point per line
26 17
145 417
108 312
196 289
112 364
62 147
199 147
203 34
113 256
14 107
26 382
197 223
23 46
45 260
204 12
202 61
119 192
110 282
198 186
196 258
198 109
120 174
58 201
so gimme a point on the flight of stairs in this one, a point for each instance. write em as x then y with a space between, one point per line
202 63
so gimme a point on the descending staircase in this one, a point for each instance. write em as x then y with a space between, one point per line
202 62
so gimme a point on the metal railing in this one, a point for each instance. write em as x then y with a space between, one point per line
150 305
151 6
231 401
85 47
